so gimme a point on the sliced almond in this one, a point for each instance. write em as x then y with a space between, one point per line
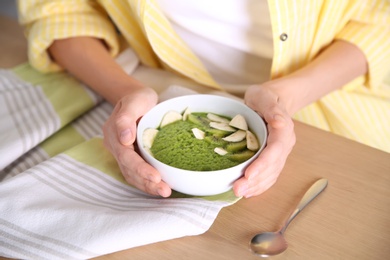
217 118
239 122
199 134
220 151
222 126
237 136
186 113
170 117
251 141
148 137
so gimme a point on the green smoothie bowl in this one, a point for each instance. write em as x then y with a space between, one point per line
201 143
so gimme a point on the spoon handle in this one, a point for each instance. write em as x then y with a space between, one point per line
310 194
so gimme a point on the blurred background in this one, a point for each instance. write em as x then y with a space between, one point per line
8 8
13 42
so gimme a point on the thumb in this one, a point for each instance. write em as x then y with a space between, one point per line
275 117
129 110
277 121
125 118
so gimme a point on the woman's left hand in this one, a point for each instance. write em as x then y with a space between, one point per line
261 174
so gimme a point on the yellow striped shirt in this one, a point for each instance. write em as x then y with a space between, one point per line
360 111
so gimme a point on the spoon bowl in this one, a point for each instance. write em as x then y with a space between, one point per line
272 243
268 243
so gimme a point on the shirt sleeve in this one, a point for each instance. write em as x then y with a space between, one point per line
49 20
369 30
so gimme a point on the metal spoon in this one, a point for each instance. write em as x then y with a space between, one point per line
273 243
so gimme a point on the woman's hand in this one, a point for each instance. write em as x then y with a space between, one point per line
264 171
276 100
88 60
119 137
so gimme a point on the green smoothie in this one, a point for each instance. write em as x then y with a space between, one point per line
176 145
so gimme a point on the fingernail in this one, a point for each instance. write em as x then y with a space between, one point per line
248 196
160 192
250 175
125 136
242 190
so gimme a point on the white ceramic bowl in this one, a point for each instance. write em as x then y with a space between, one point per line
201 183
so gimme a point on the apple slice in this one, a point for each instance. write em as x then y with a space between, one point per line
239 122
220 151
186 113
199 134
217 118
222 126
237 136
148 137
147 149
170 117
251 141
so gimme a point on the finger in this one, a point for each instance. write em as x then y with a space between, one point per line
241 187
244 187
263 172
271 156
257 188
142 175
135 166
276 117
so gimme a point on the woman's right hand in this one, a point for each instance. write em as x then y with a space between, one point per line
119 138
88 60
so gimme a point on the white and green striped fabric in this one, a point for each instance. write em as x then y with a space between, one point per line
62 195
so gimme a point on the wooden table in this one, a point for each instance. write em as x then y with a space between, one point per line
349 220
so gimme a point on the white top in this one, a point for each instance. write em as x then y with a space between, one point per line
233 38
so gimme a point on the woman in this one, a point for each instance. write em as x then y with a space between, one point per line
321 62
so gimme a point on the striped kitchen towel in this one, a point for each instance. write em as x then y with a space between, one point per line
76 205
